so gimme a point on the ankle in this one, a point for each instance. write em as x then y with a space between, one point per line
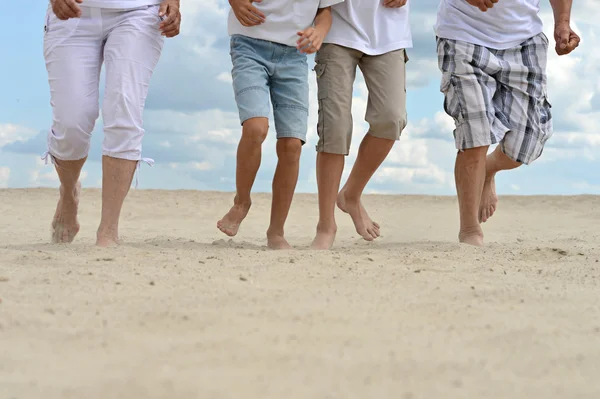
489 176
275 232
349 196
242 202
109 231
474 231
327 226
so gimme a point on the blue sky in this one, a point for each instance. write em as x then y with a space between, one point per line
192 127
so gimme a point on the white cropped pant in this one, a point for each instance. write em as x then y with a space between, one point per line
129 44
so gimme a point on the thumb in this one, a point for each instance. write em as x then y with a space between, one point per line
163 9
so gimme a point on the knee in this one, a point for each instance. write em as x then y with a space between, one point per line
256 130
80 122
390 124
289 149
71 132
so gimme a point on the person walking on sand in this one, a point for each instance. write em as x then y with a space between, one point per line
80 35
493 55
269 43
373 37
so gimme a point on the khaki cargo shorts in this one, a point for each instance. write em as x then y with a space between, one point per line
385 76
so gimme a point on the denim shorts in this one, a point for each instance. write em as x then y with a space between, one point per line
264 70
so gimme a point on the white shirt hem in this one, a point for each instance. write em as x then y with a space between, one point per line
405 44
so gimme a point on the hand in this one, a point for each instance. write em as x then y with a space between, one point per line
246 13
169 27
566 39
483 5
394 3
310 40
65 9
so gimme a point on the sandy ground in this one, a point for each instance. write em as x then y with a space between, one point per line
180 312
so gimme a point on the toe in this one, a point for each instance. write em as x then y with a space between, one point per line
484 216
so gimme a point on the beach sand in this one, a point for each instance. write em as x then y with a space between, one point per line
181 311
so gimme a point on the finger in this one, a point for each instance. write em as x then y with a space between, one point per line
249 18
253 18
489 4
172 29
303 40
171 14
74 10
303 43
314 39
256 12
58 12
162 10
61 11
172 33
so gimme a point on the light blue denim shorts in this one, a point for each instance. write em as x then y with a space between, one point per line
263 71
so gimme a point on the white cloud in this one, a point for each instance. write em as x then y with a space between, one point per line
225 77
11 133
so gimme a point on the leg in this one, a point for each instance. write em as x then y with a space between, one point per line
131 53
386 115
495 162
251 89
528 113
469 174
249 152
73 61
336 71
473 101
329 175
372 152
289 96
284 185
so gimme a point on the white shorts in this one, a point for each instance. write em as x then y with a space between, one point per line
129 44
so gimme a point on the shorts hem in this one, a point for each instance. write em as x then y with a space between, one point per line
125 156
244 118
334 152
292 135
396 137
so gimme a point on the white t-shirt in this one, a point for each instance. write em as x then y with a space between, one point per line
283 20
370 27
506 25
119 4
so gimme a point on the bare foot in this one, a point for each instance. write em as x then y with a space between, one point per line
489 200
277 241
368 229
65 225
324 238
471 237
230 224
107 240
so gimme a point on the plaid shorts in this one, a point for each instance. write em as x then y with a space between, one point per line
497 96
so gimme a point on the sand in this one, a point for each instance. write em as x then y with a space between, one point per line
179 311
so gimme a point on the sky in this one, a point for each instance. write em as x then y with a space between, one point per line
192 126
